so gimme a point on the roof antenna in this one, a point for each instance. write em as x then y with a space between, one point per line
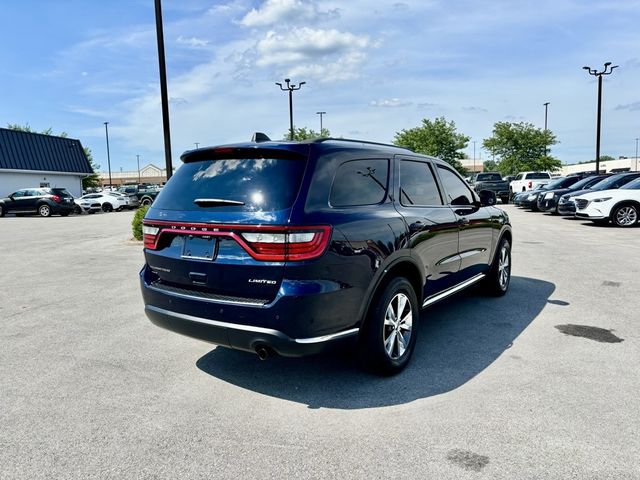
259 137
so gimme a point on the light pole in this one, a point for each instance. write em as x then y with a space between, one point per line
164 95
546 107
321 114
197 145
636 154
608 70
290 88
474 156
138 159
106 132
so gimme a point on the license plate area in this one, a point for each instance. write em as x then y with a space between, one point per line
200 247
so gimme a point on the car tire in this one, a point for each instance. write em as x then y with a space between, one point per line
1 210
625 215
44 210
107 207
499 276
145 201
77 210
386 344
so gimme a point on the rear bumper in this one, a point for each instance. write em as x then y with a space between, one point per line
295 323
241 337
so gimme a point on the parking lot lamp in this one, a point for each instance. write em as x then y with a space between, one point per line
138 159
164 95
290 88
608 70
106 132
546 108
636 154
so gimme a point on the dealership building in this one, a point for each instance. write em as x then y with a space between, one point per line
36 160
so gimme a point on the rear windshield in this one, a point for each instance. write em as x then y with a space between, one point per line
58 191
488 177
261 184
537 176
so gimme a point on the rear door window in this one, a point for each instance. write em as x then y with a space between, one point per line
360 182
234 185
418 185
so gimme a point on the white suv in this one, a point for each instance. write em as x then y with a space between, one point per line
620 206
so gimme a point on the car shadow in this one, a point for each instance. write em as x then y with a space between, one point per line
458 339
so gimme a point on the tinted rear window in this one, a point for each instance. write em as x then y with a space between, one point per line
488 177
537 176
360 182
262 184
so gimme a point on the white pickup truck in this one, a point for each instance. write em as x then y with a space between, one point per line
528 181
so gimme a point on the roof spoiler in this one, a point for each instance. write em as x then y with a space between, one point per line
259 137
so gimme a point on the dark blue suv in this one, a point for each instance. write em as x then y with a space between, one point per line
284 247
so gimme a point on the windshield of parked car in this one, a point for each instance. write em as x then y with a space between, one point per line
615 181
633 185
488 177
558 183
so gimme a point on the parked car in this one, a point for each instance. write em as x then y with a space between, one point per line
566 204
620 206
42 201
549 201
145 194
130 201
491 181
86 205
530 200
109 202
518 198
528 180
286 247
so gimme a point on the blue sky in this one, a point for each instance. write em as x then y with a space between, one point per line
374 67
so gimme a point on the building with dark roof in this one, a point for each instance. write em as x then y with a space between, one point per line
37 160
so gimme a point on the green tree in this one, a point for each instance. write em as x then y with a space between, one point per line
304 133
489 166
438 138
521 146
92 180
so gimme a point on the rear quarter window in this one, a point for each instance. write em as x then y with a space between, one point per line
360 182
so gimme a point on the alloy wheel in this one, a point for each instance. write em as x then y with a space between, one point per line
504 267
398 323
626 216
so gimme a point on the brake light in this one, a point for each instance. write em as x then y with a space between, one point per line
55 198
149 235
263 242
530 184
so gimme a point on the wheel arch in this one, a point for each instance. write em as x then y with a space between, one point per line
406 267
622 203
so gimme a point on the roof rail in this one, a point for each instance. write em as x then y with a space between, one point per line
352 140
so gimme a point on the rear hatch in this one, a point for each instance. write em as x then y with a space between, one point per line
219 228
63 194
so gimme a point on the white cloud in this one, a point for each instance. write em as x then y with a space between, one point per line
273 12
390 103
193 42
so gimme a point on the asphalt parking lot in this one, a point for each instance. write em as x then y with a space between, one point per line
512 388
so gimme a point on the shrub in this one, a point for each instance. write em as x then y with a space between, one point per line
136 224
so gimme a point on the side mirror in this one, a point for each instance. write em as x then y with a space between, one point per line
487 198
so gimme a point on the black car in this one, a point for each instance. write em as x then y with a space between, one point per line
42 201
548 202
530 201
285 247
566 205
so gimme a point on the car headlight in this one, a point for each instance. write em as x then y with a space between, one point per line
533 196
603 199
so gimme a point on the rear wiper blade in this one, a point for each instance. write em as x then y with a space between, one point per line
215 202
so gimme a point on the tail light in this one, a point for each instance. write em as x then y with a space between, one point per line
55 198
530 184
265 243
